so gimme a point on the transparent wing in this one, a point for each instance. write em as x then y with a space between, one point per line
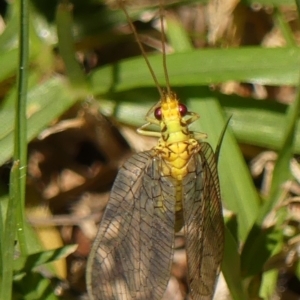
132 254
204 227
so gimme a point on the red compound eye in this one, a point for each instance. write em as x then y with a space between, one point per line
158 113
182 109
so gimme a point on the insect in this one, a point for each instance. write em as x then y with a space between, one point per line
155 194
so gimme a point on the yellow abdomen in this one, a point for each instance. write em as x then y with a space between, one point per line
175 157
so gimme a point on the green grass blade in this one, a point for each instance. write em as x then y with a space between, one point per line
23 264
256 122
20 132
253 121
231 268
177 36
221 138
256 240
269 66
237 188
270 2
282 168
64 22
9 236
258 247
33 286
270 277
45 103
298 6
284 28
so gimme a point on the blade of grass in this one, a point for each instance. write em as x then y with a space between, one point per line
9 235
253 121
237 189
269 66
177 36
270 277
281 174
231 268
33 286
1 234
23 264
285 28
46 102
282 167
20 142
270 2
298 6
14 223
64 23
219 144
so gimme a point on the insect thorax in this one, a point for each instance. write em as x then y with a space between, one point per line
176 156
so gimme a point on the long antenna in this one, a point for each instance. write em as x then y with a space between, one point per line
163 42
142 48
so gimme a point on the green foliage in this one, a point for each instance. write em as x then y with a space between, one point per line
125 91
